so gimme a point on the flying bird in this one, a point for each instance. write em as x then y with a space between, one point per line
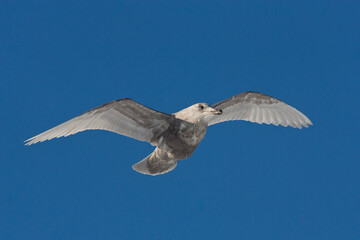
176 135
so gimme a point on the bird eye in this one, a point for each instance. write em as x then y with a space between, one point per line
201 107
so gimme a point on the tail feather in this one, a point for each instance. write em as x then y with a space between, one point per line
151 165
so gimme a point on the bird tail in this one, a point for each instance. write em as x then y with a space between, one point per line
151 165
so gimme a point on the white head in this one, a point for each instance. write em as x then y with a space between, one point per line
197 112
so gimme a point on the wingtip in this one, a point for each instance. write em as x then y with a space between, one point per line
31 141
308 122
27 142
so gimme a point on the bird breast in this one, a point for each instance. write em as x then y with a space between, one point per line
193 135
181 142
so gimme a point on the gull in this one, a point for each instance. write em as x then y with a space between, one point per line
176 135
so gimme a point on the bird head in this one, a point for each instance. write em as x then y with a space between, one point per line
197 112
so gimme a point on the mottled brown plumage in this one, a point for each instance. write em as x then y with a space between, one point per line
177 135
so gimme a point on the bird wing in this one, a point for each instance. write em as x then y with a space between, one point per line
259 108
123 116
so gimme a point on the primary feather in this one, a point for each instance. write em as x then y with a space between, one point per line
259 108
123 116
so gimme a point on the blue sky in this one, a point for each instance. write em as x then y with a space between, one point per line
245 181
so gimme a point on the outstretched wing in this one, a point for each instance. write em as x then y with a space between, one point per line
259 108
123 116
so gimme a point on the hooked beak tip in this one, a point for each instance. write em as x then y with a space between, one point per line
218 111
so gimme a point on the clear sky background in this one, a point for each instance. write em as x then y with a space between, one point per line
245 181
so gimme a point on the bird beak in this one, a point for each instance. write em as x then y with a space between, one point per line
216 111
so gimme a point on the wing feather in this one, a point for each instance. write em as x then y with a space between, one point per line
259 108
123 116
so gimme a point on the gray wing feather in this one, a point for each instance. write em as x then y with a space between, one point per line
259 108
123 116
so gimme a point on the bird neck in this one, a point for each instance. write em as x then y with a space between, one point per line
189 116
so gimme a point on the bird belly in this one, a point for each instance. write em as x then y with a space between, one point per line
182 143
174 150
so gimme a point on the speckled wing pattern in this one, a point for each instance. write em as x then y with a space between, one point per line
123 116
259 108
